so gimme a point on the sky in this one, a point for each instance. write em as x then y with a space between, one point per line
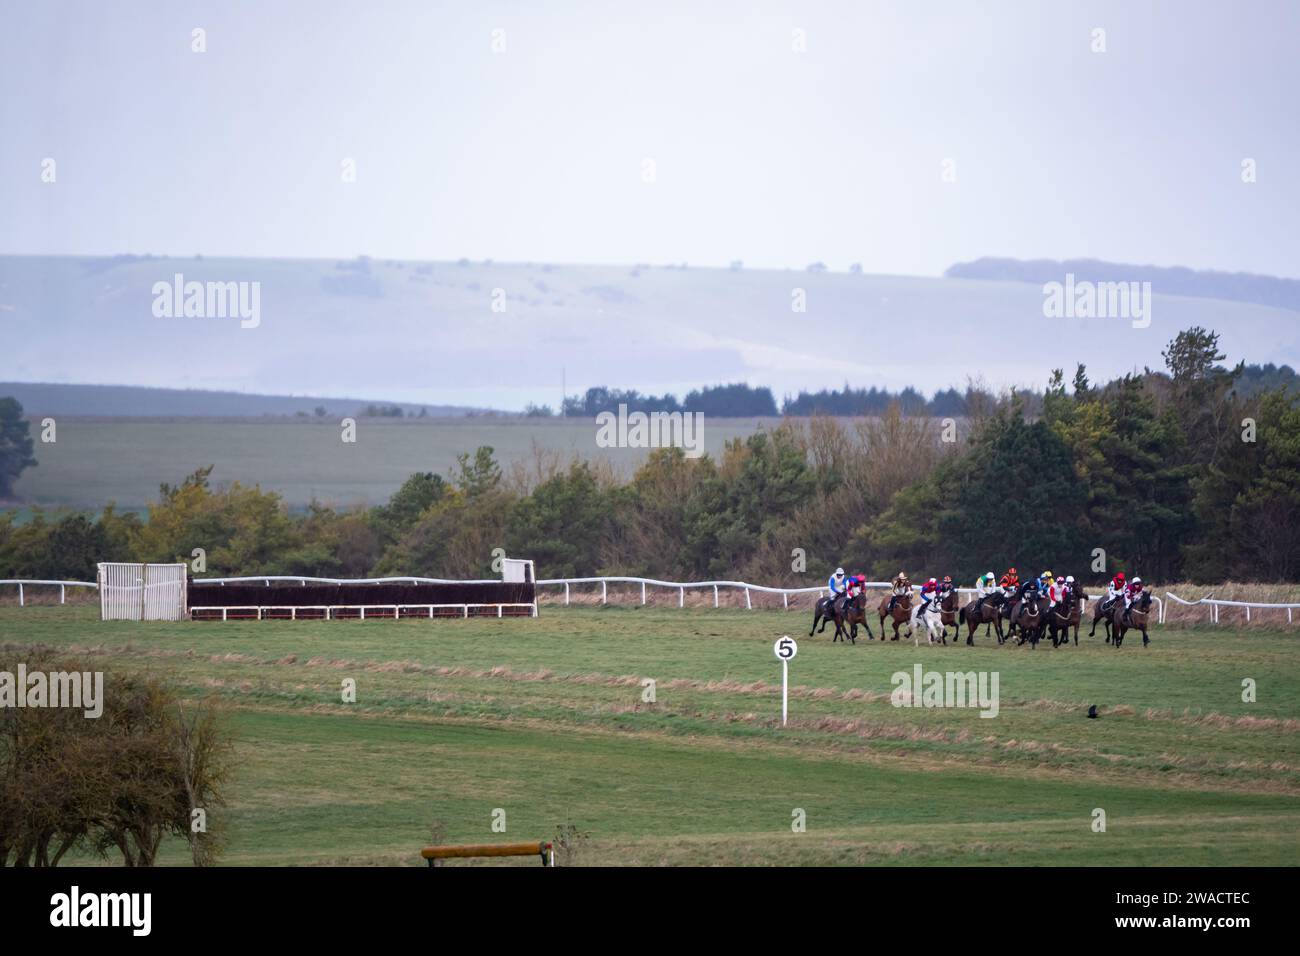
619 132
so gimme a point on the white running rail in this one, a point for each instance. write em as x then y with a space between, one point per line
61 585
1215 603
681 586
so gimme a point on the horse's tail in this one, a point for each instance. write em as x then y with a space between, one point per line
961 615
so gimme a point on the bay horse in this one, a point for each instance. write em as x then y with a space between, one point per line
1008 611
1102 615
1077 617
1059 619
1028 616
985 610
823 613
853 614
1133 619
902 614
948 613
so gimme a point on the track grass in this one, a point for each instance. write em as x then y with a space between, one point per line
544 718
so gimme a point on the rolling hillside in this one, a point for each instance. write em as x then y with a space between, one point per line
132 401
426 332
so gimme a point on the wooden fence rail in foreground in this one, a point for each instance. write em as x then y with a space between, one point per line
541 849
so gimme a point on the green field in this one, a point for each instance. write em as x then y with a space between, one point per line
95 462
543 718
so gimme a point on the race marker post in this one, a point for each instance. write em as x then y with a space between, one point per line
785 649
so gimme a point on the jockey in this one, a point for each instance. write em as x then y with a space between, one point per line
1010 582
837 585
857 585
1057 591
1044 583
900 586
984 586
1133 591
929 591
1071 588
1114 589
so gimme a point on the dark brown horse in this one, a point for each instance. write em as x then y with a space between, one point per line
1133 619
1008 612
1102 614
985 610
902 614
853 613
1028 616
1077 618
948 612
1060 617
823 613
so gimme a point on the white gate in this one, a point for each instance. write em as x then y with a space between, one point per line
142 592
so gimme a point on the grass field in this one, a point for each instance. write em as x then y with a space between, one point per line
94 462
544 718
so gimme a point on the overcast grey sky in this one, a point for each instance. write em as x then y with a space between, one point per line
761 153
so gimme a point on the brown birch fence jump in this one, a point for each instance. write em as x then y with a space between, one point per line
544 850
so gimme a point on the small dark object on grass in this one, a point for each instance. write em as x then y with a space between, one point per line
1092 712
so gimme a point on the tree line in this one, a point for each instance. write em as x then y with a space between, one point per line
1176 473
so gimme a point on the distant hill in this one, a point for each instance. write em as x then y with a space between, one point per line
500 335
1226 286
129 401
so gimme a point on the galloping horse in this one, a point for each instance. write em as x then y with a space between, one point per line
823 613
1008 611
1077 615
902 613
1059 619
853 614
1133 619
1028 616
1103 615
948 614
932 618
986 610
